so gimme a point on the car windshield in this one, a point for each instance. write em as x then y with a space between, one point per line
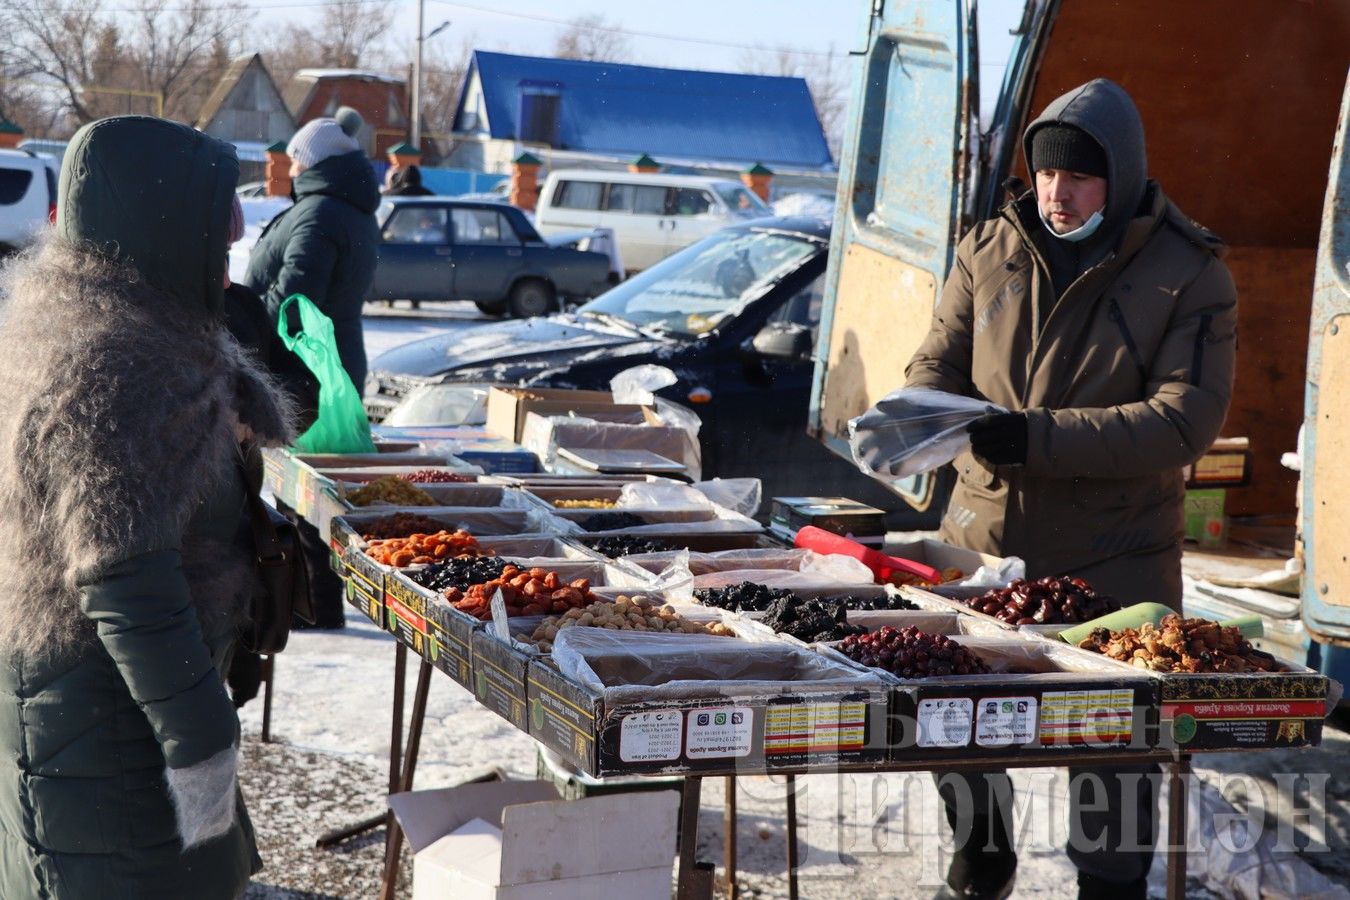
741 202
691 292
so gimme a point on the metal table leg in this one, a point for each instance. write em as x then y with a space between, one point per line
1179 778
695 881
729 837
337 836
393 846
792 836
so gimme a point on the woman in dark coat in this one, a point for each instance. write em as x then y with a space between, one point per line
122 514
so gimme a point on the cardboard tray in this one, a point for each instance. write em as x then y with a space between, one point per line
365 588
698 542
447 638
732 727
1056 703
1237 711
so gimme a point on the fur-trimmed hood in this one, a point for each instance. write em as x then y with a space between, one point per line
118 421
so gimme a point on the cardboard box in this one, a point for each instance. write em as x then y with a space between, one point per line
1205 522
515 840
1055 702
436 631
838 515
367 579
545 436
1238 711
735 727
1228 463
508 407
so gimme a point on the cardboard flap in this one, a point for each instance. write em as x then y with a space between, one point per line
426 816
549 841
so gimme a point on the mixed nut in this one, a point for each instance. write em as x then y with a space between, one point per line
636 613
435 476
1181 645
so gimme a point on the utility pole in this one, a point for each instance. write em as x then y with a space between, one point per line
415 127
415 132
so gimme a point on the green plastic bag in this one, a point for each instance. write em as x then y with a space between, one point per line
341 426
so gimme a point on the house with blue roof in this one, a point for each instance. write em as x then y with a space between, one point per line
579 113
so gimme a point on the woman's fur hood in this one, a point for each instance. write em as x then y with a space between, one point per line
118 415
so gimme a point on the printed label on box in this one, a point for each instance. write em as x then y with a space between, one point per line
1087 717
1005 721
945 722
814 728
651 736
719 731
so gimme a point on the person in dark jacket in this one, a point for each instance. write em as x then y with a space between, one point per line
1104 321
324 246
248 322
122 502
407 182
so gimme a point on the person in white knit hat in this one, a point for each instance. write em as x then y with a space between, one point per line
324 247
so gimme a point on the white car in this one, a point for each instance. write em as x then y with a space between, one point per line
27 197
652 215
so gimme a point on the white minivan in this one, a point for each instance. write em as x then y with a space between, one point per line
652 215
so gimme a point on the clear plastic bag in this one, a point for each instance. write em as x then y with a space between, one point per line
639 385
627 666
913 430
741 495
672 495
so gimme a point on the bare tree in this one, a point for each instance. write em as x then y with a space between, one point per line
826 75
179 49
592 37
442 79
349 34
69 44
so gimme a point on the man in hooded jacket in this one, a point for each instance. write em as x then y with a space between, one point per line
1104 321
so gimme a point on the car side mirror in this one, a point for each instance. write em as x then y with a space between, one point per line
784 340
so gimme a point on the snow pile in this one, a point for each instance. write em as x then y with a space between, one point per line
815 206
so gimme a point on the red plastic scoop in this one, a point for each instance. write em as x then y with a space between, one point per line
809 537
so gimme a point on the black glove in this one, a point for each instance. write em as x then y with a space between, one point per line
1000 438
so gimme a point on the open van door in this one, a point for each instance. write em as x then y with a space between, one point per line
1326 411
903 185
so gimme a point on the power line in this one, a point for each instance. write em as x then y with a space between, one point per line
630 33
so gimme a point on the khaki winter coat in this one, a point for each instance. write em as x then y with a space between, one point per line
1125 380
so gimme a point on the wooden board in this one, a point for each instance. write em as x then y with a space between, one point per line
1330 532
882 310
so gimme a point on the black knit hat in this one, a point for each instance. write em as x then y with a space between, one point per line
1060 146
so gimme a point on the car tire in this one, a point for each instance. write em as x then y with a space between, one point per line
490 309
531 297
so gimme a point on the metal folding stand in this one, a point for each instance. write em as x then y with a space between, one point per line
692 883
337 836
393 843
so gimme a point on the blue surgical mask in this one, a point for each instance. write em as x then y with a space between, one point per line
1081 233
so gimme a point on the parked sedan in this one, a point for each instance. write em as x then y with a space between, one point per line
734 316
435 248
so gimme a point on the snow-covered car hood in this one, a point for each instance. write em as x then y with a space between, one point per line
523 340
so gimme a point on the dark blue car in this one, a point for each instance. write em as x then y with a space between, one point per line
436 248
734 316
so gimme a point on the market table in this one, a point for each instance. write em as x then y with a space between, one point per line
695 885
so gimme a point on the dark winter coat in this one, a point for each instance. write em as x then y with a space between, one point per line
1125 378
121 515
325 247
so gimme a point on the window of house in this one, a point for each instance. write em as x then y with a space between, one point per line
649 200
540 116
482 226
578 195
